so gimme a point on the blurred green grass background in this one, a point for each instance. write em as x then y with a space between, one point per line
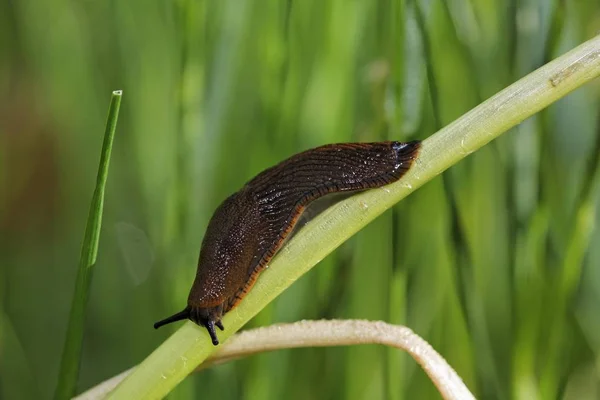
496 263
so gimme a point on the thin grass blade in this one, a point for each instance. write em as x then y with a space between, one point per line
69 366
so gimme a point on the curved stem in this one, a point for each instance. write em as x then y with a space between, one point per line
190 345
327 333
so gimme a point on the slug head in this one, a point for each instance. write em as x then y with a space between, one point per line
227 254
206 317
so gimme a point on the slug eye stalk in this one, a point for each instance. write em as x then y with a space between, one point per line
181 315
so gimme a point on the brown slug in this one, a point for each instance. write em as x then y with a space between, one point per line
250 226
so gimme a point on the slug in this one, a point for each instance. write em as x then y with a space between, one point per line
251 225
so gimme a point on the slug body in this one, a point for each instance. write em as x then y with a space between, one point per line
251 225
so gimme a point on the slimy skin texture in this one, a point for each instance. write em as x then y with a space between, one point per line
250 226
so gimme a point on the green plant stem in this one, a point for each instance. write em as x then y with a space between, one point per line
69 366
190 345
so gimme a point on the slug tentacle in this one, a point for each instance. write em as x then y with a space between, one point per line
181 315
250 226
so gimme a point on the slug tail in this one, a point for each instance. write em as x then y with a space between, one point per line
181 315
407 152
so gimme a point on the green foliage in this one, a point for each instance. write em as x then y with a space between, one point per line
495 263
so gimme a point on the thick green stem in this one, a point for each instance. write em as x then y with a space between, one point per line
190 345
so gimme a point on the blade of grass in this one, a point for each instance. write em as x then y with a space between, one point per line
69 366
189 346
